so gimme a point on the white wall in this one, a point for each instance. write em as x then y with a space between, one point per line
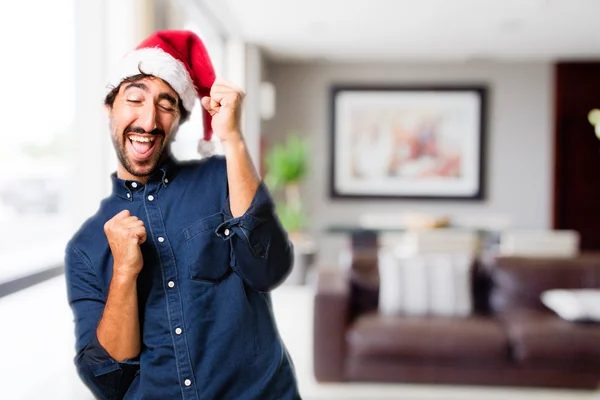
252 120
518 143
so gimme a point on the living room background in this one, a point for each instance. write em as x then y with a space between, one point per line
518 139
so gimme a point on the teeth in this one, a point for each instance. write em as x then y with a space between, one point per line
143 139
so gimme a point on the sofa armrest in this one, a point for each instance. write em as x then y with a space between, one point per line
331 317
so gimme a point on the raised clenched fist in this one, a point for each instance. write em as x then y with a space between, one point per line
125 234
225 106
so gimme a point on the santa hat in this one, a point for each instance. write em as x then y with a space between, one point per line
180 59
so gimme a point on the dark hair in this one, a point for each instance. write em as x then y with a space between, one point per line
110 97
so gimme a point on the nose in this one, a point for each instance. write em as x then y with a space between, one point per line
147 118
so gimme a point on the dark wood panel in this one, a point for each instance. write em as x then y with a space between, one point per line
577 152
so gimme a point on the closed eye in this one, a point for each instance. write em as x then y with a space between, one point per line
134 101
166 108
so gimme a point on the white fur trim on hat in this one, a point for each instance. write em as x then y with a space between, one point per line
156 62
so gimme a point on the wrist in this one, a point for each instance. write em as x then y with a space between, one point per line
124 277
234 143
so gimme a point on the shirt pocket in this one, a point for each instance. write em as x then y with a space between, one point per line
207 253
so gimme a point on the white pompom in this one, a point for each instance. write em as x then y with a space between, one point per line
206 148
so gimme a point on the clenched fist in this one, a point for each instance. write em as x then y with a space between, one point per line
225 106
125 234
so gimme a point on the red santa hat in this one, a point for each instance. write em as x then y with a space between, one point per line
180 59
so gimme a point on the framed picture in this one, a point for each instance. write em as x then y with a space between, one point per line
407 142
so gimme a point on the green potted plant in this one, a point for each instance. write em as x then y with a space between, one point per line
287 167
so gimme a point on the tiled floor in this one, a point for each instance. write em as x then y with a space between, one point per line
36 344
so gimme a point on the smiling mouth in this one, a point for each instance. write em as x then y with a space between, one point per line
142 146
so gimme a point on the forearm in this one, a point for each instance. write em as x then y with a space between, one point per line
119 328
242 176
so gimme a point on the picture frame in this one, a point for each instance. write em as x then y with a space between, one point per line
407 142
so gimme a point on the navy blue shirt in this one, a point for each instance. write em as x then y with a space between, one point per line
206 321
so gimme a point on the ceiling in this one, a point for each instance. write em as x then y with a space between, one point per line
414 30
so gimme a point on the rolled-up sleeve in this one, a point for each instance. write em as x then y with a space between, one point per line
261 251
102 374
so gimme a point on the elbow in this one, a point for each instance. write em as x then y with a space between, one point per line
105 378
95 381
268 272
287 261
279 267
100 371
84 370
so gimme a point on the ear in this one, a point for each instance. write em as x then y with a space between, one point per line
108 110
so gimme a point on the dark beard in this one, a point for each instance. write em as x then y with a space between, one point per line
145 168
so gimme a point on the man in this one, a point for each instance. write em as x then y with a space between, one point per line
169 280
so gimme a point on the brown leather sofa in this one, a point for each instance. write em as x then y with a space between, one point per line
511 339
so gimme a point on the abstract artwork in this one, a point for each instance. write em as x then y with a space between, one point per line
407 142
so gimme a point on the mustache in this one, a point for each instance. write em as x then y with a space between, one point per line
137 129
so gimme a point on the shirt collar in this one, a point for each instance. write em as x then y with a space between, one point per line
162 177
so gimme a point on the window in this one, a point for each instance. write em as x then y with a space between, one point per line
38 113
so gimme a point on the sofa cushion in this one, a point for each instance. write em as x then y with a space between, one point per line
425 284
427 337
517 282
537 337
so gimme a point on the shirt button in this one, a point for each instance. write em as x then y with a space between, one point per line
134 184
128 195
171 284
161 239
178 331
226 232
187 382
166 180
150 198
